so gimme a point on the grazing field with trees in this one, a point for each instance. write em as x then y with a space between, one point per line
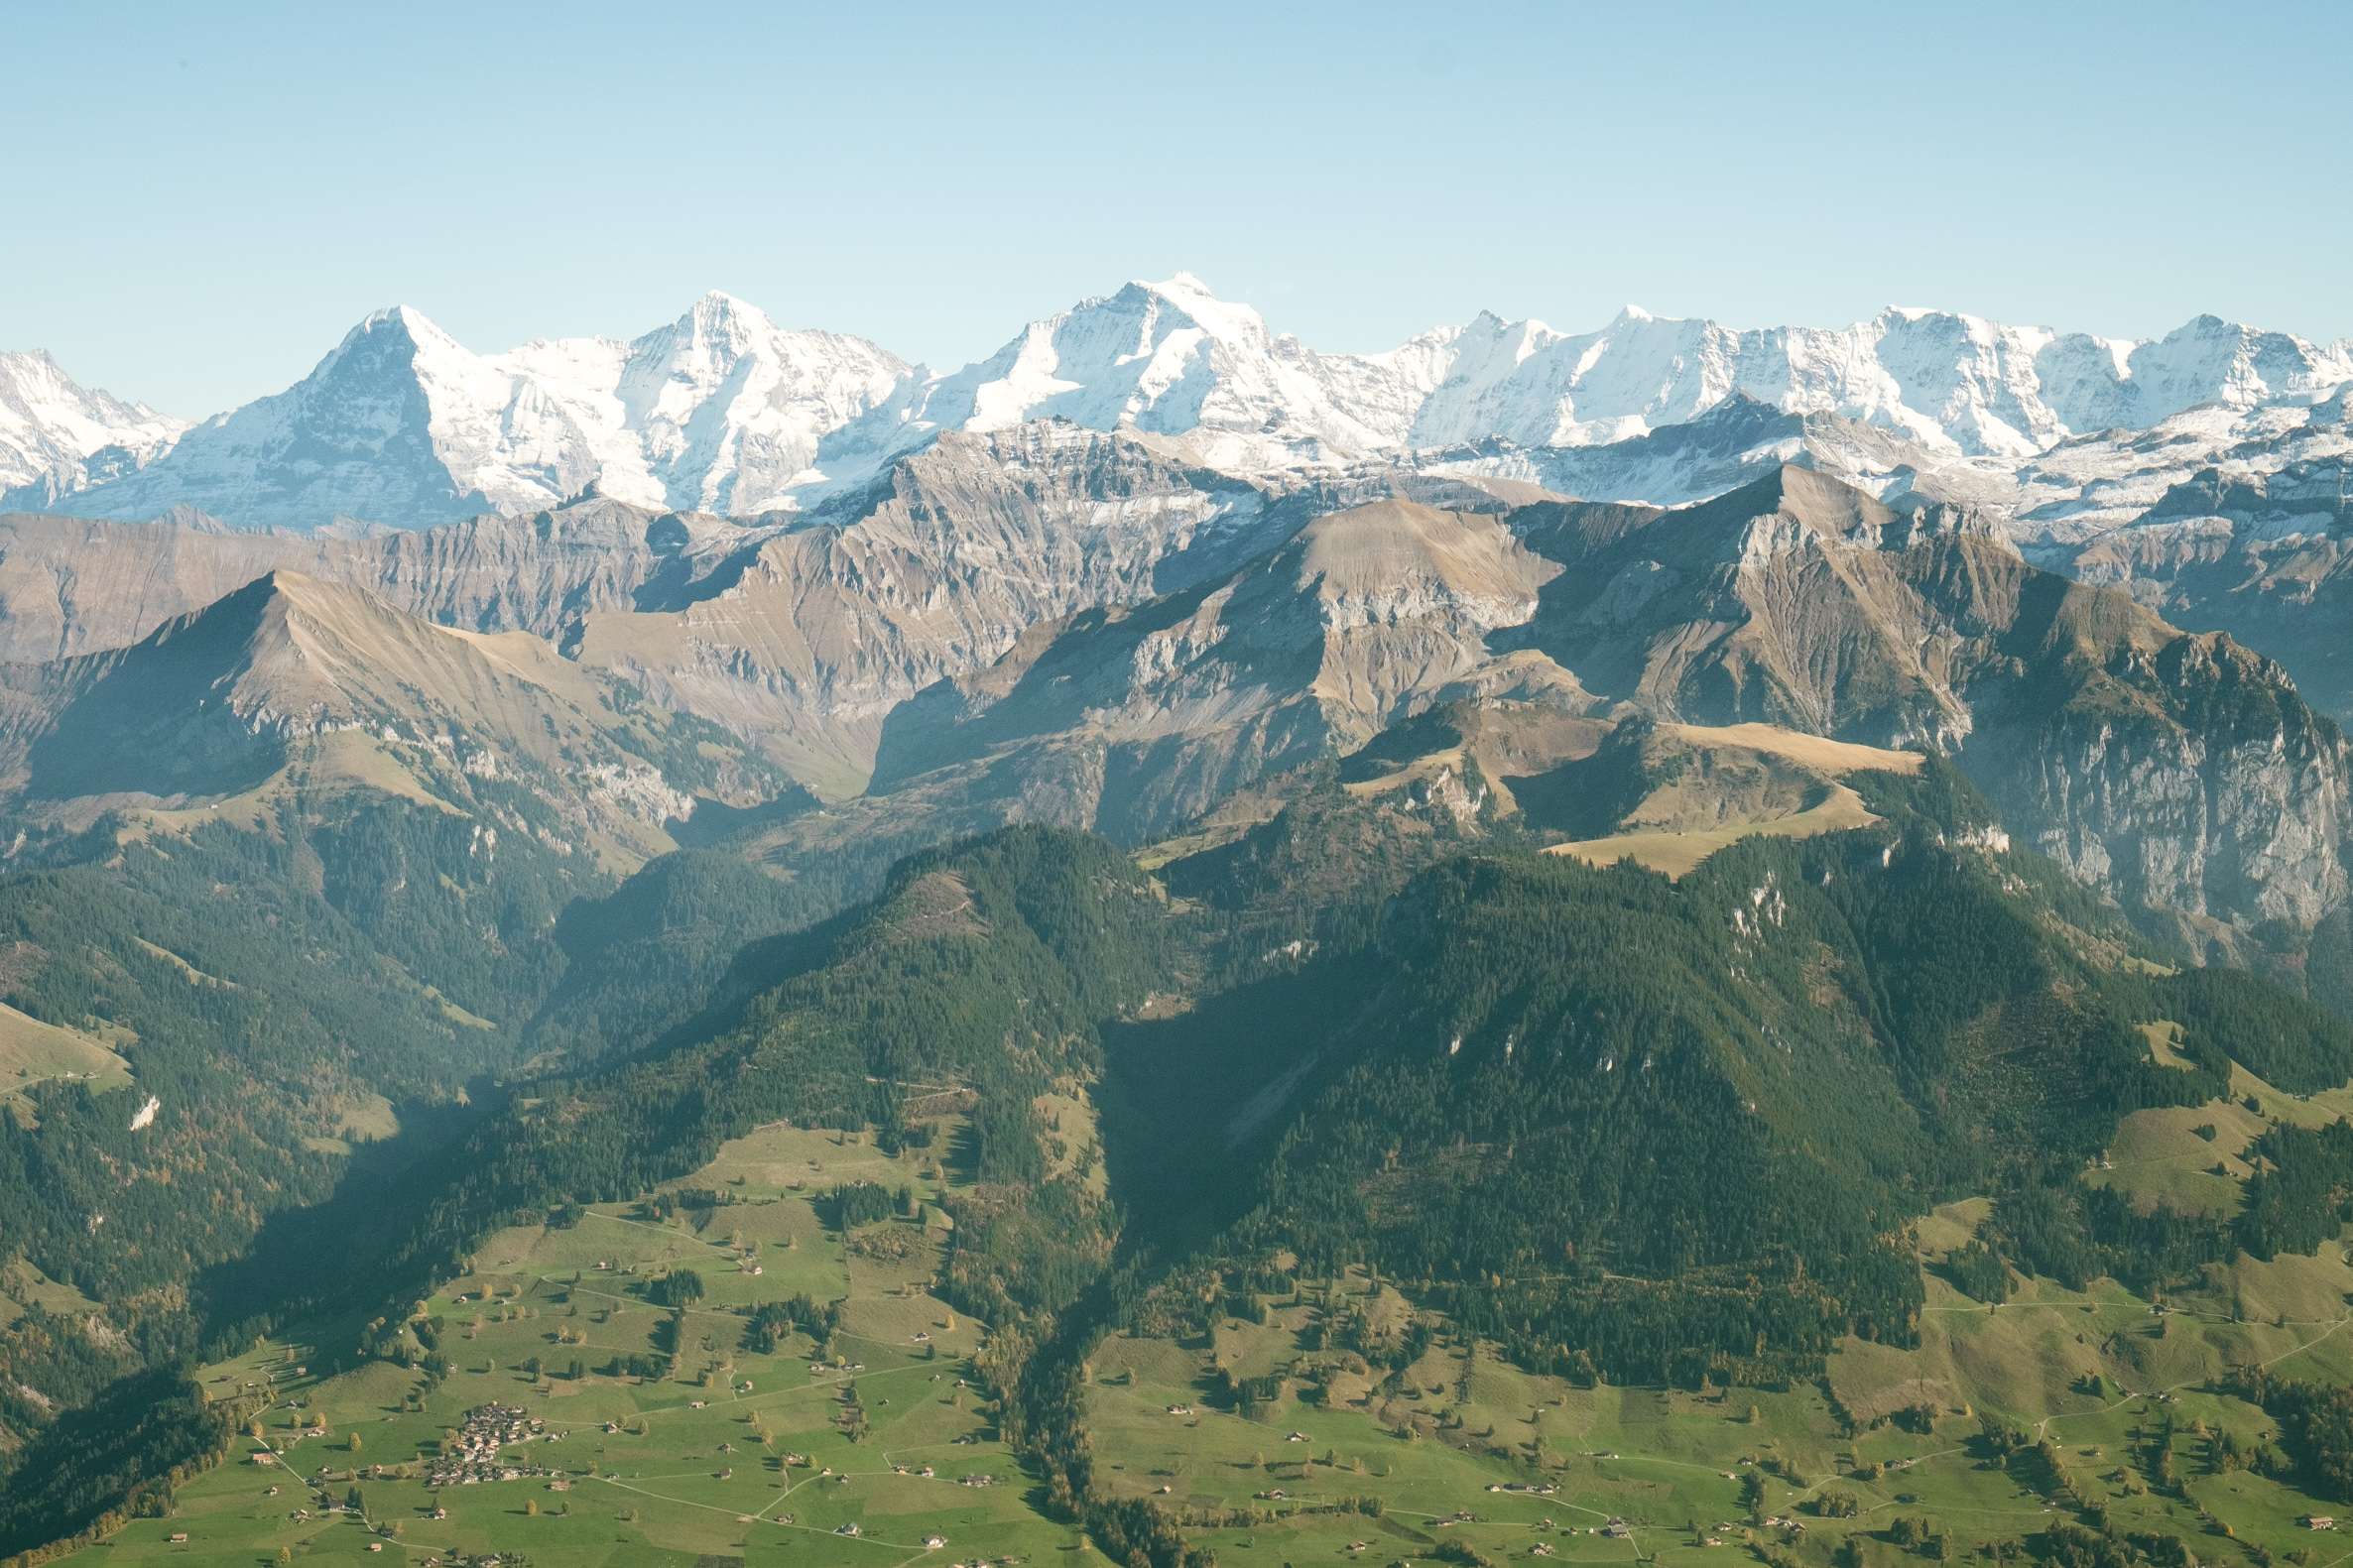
1839 1201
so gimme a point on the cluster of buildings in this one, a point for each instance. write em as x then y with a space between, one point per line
475 1455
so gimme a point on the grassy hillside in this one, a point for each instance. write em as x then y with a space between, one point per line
1605 1189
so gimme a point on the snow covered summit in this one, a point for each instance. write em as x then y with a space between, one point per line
724 410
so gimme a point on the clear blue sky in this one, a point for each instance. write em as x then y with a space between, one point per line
200 199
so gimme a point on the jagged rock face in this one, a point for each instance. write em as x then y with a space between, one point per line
801 635
2267 557
72 587
937 571
1795 601
2175 769
2192 781
1098 628
1139 719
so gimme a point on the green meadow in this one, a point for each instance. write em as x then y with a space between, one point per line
665 1437
729 1455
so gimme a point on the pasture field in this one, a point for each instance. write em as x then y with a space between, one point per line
1677 852
727 1455
662 1436
32 1053
1448 1458
1790 788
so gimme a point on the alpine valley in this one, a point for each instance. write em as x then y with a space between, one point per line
1168 948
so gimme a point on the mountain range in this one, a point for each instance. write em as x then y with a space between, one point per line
1611 868
723 410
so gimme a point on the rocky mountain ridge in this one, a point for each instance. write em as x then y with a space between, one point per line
290 688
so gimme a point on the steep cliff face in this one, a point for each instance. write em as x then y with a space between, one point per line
2175 769
72 587
822 629
1796 600
1148 716
2189 778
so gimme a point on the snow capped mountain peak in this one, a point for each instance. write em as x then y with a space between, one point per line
1167 357
727 409
1219 317
402 330
403 319
722 410
401 423
718 314
401 340
2232 364
56 433
720 301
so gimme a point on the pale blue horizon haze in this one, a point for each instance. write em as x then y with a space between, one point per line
206 199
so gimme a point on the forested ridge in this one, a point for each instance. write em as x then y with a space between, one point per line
1676 1132
266 1019
989 967
120 1455
1621 1126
